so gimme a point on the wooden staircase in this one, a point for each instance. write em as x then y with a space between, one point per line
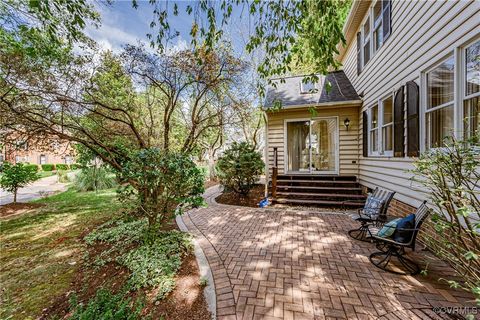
318 190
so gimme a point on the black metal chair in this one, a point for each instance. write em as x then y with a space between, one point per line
390 248
363 233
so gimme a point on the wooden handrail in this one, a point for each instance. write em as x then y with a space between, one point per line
274 172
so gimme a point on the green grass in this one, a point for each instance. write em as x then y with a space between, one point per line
44 174
41 251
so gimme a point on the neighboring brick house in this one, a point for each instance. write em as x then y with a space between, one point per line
44 150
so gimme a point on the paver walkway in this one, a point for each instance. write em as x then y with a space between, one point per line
286 264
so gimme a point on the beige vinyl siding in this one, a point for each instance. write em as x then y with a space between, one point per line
423 32
348 140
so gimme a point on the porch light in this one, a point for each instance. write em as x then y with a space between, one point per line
346 123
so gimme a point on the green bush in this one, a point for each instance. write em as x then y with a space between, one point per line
62 166
15 177
32 167
62 176
93 179
75 166
156 264
240 167
107 306
48 167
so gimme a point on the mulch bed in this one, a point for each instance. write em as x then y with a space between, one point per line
186 301
251 200
210 183
17 208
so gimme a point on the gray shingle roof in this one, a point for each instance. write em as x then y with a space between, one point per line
288 93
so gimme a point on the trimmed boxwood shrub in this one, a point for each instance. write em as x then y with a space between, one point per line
32 167
75 166
61 166
48 167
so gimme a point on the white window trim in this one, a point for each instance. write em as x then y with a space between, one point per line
370 37
459 93
381 152
376 25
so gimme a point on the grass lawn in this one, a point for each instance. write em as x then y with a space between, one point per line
44 174
41 251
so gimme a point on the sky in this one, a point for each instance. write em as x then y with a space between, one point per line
121 24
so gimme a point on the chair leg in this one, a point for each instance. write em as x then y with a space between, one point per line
362 234
381 260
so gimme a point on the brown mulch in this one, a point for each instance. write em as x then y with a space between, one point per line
186 301
251 200
17 208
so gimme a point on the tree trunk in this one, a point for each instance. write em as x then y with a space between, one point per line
15 196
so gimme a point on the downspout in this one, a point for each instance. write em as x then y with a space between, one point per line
265 153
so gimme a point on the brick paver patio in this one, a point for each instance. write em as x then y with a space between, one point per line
286 264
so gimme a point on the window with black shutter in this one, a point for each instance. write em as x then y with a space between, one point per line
365 134
399 124
413 140
359 52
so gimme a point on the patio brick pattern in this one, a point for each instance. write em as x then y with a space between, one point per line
287 264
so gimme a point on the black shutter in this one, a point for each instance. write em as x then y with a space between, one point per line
387 18
398 124
413 140
359 53
365 134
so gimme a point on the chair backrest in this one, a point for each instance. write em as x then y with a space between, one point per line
386 196
420 215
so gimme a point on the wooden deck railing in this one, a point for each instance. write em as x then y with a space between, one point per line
274 172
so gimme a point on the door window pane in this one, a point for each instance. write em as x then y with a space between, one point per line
298 146
440 84
472 116
323 144
472 69
439 126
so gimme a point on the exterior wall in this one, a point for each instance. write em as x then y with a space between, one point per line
423 32
348 140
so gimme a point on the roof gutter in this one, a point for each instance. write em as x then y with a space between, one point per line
349 103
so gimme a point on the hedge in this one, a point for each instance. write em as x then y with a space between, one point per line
75 166
33 166
61 166
48 167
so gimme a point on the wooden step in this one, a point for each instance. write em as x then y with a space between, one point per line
315 181
338 189
319 202
312 177
324 195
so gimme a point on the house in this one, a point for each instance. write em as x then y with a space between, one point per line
37 150
410 77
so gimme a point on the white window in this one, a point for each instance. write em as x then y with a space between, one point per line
374 130
43 159
381 127
68 160
471 94
387 126
440 103
374 32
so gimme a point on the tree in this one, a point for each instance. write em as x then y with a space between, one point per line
451 176
14 177
240 167
306 30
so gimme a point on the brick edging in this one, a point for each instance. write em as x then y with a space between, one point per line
225 304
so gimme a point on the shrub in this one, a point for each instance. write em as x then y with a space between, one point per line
75 166
451 177
48 167
62 176
61 166
93 179
33 167
240 168
105 305
163 181
16 176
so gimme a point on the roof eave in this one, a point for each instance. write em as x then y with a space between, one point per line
347 103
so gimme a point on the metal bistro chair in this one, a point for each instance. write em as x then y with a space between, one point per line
390 248
363 233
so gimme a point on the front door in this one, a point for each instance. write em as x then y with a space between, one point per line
312 146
